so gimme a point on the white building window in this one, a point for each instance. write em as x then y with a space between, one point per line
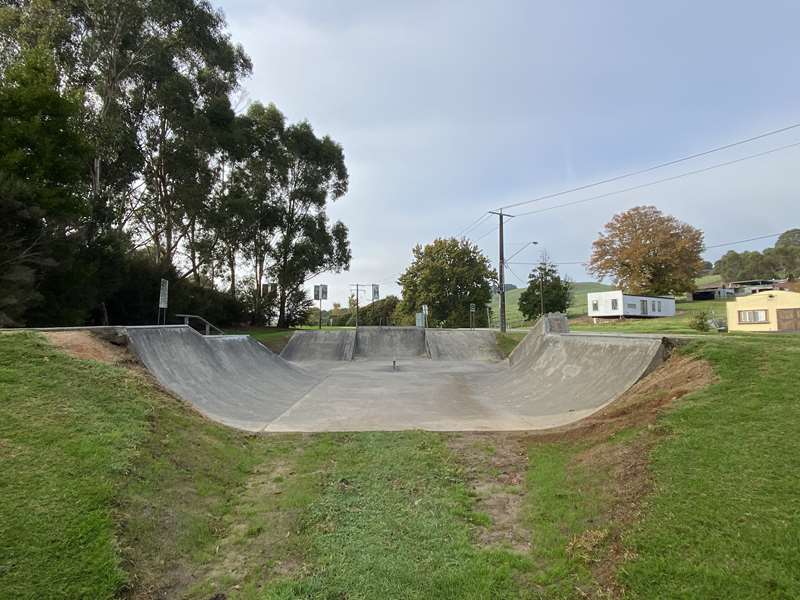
753 316
595 307
614 304
659 306
653 305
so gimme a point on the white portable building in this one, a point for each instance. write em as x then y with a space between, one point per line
617 304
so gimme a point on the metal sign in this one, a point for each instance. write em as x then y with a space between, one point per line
163 296
472 307
375 292
320 292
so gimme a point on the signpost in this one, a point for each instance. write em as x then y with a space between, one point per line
472 315
163 301
375 292
320 293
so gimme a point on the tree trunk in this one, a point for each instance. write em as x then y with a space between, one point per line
282 308
232 269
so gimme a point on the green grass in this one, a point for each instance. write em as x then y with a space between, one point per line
725 519
274 338
506 342
109 485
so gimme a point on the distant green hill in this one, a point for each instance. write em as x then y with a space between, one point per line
577 307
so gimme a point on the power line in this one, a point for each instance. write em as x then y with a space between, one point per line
654 167
474 224
760 237
584 262
659 181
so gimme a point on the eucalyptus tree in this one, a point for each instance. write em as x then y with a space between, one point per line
289 179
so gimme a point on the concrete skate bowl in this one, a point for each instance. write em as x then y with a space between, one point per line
551 379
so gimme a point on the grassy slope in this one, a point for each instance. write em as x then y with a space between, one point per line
112 474
725 521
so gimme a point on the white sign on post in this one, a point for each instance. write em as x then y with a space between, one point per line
472 307
375 292
163 295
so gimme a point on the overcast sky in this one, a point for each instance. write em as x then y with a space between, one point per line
448 109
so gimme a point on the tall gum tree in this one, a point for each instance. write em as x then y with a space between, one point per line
288 179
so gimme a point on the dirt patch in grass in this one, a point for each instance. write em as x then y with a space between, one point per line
495 466
614 442
641 404
87 346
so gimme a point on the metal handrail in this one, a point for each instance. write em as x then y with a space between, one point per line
208 325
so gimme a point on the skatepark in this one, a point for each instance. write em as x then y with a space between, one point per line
395 378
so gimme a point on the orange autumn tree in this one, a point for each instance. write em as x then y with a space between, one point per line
647 252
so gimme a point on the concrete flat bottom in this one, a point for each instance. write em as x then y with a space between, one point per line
368 395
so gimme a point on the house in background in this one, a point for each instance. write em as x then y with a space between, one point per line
725 291
773 310
616 304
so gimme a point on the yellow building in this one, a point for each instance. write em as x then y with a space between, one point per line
774 310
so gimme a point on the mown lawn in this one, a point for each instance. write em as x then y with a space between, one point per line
112 488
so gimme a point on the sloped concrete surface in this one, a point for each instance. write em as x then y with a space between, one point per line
390 342
232 379
549 380
462 344
315 345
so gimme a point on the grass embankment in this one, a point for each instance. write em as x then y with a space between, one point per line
274 338
106 481
506 342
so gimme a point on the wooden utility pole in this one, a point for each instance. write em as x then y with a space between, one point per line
502 273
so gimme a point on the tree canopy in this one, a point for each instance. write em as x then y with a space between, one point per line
780 261
545 288
120 143
647 252
448 275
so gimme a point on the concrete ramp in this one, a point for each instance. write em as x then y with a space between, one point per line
390 342
316 345
231 379
462 344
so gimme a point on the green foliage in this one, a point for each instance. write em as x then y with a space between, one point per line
448 275
789 238
288 178
545 288
41 158
783 260
699 321
380 312
148 84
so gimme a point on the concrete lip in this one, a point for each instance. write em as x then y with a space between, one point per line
549 380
